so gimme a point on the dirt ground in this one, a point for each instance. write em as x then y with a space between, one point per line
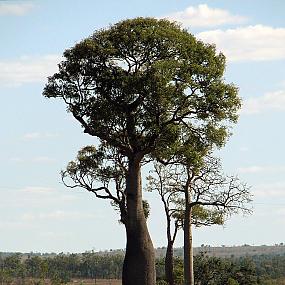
96 282
78 281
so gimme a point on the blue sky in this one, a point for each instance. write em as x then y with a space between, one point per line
38 137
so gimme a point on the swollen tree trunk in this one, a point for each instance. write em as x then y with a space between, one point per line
139 262
188 246
169 264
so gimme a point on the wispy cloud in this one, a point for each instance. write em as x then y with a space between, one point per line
37 190
16 9
39 197
15 225
271 101
43 159
244 149
251 43
36 159
280 212
261 169
55 235
204 16
39 135
28 69
272 190
57 215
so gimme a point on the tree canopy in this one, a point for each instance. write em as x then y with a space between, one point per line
135 84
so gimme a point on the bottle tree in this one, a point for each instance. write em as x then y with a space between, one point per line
135 86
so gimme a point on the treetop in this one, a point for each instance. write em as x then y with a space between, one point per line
144 83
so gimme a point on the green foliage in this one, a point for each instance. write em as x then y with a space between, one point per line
232 281
270 266
146 208
143 84
218 271
37 267
6 276
161 282
213 196
178 271
261 269
60 277
101 171
202 216
98 165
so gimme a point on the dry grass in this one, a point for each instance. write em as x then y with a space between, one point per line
96 282
30 281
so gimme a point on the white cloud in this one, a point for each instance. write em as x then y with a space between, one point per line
281 212
43 159
36 159
282 83
271 101
55 235
68 198
251 43
39 197
261 169
57 215
16 159
15 225
38 135
28 217
28 69
274 190
17 9
204 16
244 149
38 190
60 215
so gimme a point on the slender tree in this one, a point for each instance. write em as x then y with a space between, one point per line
202 185
210 188
135 86
164 181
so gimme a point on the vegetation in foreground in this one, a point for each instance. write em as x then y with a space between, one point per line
91 268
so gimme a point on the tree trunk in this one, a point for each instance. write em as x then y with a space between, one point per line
188 246
169 263
139 262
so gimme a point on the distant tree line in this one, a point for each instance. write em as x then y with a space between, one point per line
61 268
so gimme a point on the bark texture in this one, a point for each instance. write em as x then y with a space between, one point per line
188 246
169 264
139 263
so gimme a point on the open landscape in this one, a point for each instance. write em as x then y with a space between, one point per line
265 267
153 127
